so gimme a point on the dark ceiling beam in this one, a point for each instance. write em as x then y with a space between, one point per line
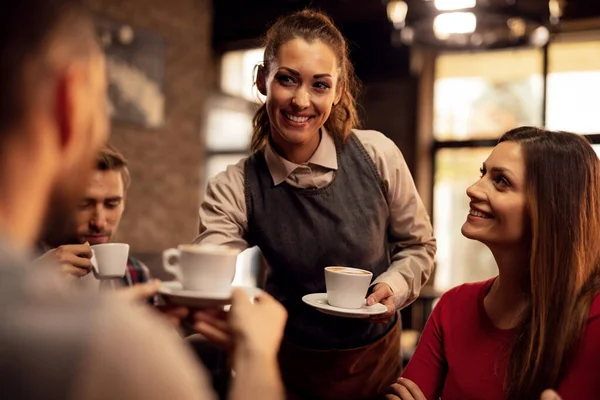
236 20
240 24
241 20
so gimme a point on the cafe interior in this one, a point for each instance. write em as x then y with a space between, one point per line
443 79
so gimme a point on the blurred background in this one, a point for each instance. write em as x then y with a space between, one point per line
442 78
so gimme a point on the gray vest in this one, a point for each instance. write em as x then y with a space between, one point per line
302 231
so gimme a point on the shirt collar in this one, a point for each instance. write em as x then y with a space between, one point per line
280 168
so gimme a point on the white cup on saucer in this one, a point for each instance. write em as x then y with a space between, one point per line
347 287
109 260
202 268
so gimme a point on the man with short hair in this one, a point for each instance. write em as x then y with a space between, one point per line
55 344
98 216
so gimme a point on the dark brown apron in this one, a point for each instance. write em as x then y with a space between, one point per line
360 373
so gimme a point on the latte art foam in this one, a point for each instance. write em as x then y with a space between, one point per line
348 271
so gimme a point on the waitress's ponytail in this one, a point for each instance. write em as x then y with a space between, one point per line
260 128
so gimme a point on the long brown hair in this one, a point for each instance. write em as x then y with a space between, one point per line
311 25
563 198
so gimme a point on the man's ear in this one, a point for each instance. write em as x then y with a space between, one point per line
64 109
70 100
261 80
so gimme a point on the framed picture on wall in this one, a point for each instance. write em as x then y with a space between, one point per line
136 70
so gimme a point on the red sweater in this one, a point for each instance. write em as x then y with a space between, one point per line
462 355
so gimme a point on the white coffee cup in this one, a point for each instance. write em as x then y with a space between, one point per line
202 268
109 260
347 287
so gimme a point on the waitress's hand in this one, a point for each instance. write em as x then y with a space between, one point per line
382 293
250 328
404 389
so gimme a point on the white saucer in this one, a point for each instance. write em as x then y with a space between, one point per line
174 292
319 301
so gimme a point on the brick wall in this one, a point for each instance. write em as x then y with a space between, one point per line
166 164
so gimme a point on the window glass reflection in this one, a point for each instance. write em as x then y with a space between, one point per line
459 259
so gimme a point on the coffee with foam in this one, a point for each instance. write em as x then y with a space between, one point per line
346 286
347 270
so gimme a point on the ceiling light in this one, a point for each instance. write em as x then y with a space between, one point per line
396 11
445 25
540 36
407 35
517 26
556 10
458 25
450 5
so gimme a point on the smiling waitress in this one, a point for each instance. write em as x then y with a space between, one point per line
314 193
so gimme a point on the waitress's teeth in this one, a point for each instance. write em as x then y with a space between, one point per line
296 119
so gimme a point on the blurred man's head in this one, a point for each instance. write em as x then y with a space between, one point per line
100 211
52 101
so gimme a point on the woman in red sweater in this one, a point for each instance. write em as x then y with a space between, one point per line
537 324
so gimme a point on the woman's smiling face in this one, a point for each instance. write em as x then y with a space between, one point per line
301 87
498 209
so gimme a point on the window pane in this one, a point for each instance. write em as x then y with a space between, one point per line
219 163
228 130
459 259
482 95
237 73
574 85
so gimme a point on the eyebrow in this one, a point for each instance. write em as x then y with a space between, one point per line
500 169
112 198
296 73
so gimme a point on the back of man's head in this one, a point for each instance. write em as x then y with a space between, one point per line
53 114
30 31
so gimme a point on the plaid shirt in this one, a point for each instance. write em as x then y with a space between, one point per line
137 273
